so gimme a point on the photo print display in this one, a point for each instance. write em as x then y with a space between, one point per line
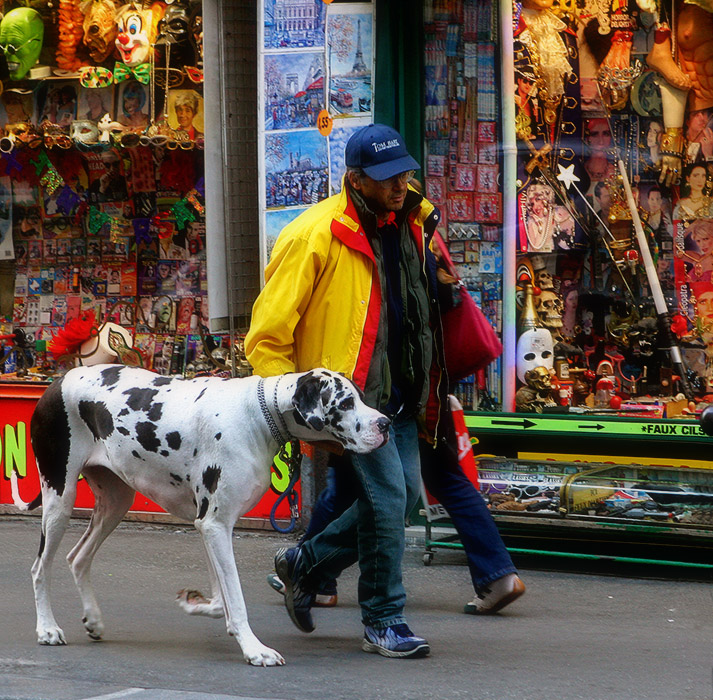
281 29
350 40
57 102
275 221
94 103
133 104
296 168
341 133
17 106
185 113
294 90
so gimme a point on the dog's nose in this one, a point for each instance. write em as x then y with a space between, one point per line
383 424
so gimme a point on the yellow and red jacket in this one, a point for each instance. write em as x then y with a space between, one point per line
321 303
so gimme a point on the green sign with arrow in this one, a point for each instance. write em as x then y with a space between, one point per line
646 429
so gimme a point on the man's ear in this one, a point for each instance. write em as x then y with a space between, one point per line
354 179
307 402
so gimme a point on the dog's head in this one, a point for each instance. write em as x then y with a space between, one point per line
331 408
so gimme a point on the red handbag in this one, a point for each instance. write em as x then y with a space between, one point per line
470 341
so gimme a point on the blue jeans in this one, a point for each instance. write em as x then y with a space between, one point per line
488 558
371 530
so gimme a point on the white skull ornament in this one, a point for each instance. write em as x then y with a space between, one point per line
535 348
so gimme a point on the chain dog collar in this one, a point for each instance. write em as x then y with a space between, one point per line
277 435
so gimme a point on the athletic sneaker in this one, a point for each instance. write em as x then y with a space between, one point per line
396 641
496 596
324 599
297 600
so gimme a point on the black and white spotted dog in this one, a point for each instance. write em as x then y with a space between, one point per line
200 448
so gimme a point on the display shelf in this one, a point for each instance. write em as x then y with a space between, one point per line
594 487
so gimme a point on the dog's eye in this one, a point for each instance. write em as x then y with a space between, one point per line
347 404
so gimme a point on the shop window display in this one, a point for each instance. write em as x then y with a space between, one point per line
101 181
463 160
614 233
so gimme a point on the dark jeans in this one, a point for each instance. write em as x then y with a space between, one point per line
488 558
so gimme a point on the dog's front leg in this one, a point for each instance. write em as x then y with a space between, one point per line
219 546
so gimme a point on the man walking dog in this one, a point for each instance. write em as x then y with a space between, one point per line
351 286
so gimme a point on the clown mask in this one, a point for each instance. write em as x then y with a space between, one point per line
21 36
133 40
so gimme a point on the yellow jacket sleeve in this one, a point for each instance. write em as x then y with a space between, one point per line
290 279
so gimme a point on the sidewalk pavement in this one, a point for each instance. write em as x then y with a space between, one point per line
573 636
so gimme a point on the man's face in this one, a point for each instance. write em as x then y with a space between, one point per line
525 85
383 196
604 199
654 201
184 116
111 165
599 134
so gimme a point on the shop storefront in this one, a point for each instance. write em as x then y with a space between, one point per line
561 142
107 176
567 150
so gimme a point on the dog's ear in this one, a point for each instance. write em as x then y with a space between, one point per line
307 402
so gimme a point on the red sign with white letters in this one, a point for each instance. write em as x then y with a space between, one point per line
17 403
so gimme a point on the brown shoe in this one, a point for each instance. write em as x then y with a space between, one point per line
496 596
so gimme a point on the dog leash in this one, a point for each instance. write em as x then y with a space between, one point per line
293 459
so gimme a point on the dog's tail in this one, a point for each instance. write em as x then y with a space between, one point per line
36 502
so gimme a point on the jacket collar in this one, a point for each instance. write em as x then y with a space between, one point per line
347 223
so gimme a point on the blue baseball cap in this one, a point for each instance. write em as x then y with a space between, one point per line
379 151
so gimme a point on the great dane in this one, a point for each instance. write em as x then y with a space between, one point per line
200 448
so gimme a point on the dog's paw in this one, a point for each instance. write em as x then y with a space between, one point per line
93 628
263 656
195 603
51 636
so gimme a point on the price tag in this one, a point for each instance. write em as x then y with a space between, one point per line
324 123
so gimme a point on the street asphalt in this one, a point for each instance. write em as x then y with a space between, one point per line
576 635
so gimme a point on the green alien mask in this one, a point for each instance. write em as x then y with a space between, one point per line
21 35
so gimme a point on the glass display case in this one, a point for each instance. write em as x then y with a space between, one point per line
630 492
